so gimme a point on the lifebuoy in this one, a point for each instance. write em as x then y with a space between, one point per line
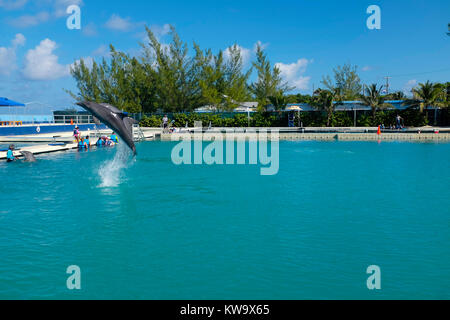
38 129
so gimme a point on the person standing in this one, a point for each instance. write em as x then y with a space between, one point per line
77 134
10 154
399 121
165 122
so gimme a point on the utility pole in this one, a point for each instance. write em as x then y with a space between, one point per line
387 84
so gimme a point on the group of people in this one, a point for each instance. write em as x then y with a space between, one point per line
399 124
167 127
107 141
85 143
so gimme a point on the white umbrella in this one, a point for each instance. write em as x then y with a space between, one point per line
294 108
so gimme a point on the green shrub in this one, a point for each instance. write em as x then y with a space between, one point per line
228 122
262 119
312 119
412 117
241 120
180 120
341 119
364 120
150 122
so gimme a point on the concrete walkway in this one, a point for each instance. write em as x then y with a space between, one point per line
320 136
65 138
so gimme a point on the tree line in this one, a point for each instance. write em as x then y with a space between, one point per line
170 78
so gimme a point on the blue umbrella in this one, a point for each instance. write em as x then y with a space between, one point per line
5 102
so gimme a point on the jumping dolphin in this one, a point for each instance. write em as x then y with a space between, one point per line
28 156
114 119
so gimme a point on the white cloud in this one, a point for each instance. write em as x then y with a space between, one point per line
292 73
7 60
103 50
60 6
118 23
90 30
88 61
160 31
12 4
409 86
262 45
366 68
246 54
54 8
19 40
29 20
42 64
8 55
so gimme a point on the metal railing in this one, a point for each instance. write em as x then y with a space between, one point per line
75 119
138 134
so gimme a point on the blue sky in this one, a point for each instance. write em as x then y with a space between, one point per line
306 38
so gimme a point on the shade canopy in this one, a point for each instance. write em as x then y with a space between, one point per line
5 102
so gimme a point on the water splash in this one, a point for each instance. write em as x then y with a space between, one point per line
110 171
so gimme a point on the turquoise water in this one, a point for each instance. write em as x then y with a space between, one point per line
161 231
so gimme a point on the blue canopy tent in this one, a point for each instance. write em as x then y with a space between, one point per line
5 102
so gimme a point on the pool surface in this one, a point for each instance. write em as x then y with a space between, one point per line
153 230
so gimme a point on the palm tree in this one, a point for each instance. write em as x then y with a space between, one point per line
427 95
374 99
327 100
278 101
399 95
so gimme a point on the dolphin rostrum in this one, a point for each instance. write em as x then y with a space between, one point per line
28 156
115 119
